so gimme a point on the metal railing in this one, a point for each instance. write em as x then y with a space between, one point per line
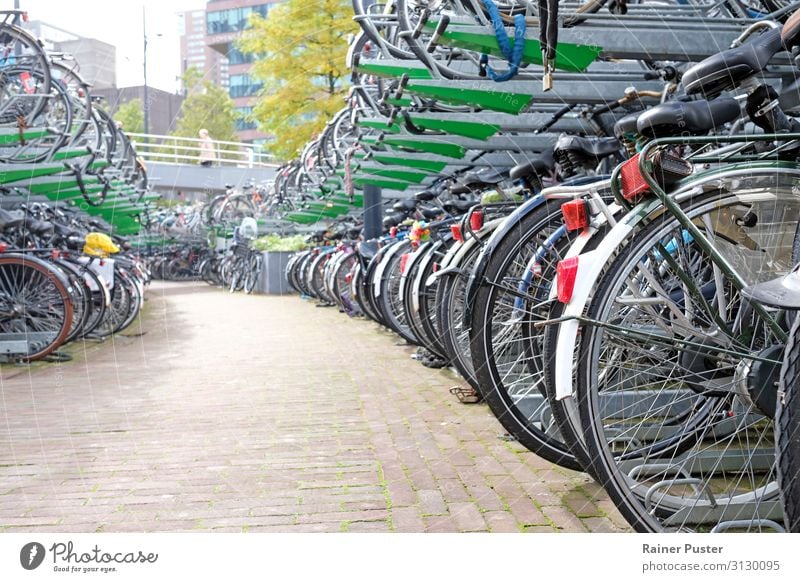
168 149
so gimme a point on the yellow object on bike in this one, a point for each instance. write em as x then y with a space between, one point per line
97 244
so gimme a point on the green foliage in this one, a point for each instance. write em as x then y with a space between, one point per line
206 106
301 45
131 115
274 242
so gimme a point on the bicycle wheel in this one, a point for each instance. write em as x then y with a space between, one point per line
35 306
455 337
118 309
787 431
253 272
505 346
676 379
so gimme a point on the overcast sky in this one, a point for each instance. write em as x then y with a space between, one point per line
119 22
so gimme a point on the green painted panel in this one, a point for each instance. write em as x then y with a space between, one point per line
382 183
15 172
494 100
382 125
428 165
569 57
402 102
403 175
8 136
449 150
393 71
470 129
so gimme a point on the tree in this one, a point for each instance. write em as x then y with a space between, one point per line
131 115
301 48
206 106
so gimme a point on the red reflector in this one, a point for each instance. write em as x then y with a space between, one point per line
403 262
348 278
456 230
567 271
436 267
576 214
476 220
393 232
633 185
3 247
24 17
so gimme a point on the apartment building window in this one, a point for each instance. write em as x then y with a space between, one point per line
245 121
233 20
237 57
243 86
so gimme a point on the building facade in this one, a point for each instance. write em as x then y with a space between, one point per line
164 106
222 23
97 60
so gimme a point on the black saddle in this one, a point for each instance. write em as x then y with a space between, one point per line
39 227
424 196
458 206
393 219
430 212
9 220
368 249
692 117
790 35
479 180
407 205
588 147
726 70
535 168
626 126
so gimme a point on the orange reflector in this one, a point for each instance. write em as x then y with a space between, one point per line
633 185
567 272
576 214
403 262
476 220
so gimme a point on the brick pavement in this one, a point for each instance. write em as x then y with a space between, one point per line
265 414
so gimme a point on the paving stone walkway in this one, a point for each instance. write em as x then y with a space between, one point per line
265 414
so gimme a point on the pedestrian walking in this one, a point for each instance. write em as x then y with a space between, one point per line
207 154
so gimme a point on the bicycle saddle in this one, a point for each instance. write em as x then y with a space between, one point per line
458 206
588 147
368 249
65 231
430 212
39 227
476 181
393 219
693 117
407 205
727 69
9 220
424 196
541 165
790 35
626 125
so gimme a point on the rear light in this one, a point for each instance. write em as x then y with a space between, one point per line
403 262
476 220
632 182
567 272
576 214
456 230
